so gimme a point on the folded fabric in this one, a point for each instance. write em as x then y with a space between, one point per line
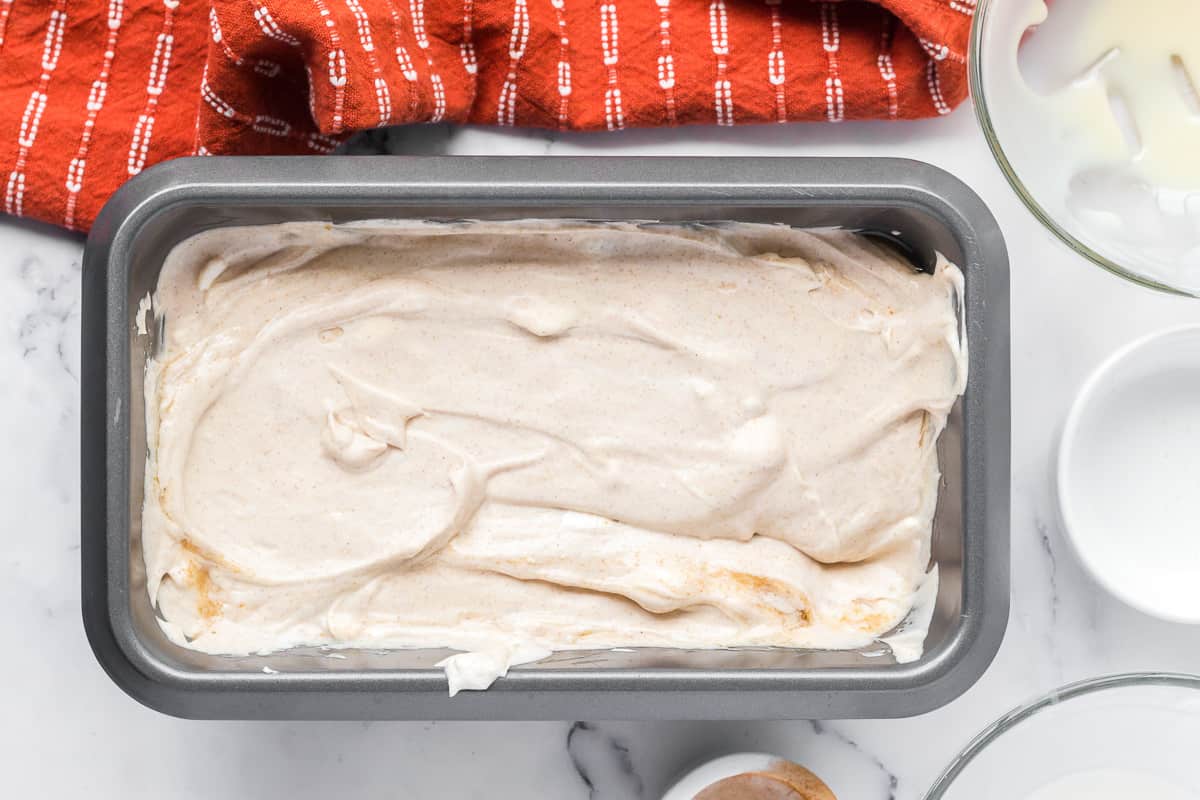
94 91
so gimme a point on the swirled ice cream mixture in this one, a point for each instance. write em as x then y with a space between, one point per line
515 438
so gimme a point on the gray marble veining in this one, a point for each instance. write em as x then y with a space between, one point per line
68 731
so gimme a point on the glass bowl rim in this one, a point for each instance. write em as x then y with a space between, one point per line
1083 688
983 115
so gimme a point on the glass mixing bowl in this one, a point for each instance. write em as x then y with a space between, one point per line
1105 211
1139 728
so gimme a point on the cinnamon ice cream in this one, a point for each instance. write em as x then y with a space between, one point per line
514 438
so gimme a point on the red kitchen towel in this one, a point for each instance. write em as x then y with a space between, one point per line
93 91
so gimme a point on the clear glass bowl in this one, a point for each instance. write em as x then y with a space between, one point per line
1143 723
1108 215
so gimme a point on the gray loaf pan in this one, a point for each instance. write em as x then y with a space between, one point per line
920 207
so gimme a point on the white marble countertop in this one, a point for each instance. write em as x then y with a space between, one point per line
68 730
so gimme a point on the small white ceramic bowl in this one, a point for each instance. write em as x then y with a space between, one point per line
1129 474
710 772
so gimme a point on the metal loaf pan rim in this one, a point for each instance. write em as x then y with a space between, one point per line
529 183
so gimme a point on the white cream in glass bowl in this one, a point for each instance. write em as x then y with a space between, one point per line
1111 738
1092 111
